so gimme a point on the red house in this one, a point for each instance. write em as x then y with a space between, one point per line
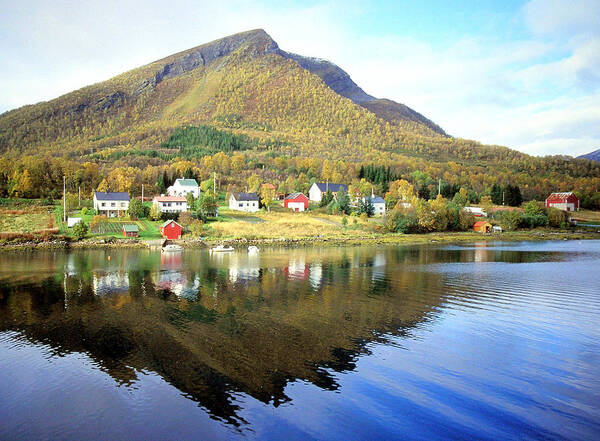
566 201
296 201
171 230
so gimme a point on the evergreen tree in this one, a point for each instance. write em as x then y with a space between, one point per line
496 194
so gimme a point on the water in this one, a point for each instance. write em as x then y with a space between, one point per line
497 341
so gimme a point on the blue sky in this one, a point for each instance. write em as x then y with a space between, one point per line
525 74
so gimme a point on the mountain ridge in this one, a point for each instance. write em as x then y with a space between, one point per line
592 156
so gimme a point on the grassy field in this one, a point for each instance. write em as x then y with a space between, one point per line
287 224
23 223
587 216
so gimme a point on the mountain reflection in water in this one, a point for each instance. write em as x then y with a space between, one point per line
224 326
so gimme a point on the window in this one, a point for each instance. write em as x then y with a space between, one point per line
112 204
103 204
241 204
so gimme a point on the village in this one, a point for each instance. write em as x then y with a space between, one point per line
189 215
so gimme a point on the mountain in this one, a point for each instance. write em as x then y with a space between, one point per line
592 156
341 83
292 118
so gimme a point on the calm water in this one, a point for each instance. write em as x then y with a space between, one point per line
449 342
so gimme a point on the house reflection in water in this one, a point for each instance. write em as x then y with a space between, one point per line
316 275
297 268
379 262
172 278
105 284
244 267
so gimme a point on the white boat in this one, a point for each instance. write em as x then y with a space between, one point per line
252 249
172 247
221 249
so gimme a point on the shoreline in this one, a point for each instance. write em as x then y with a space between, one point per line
289 242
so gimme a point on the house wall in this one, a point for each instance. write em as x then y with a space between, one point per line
247 206
171 231
565 206
296 206
314 194
379 209
178 190
171 207
110 208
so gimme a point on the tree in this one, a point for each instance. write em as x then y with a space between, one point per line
208 206
267 195
155 213
343 202
160 184
326 199
136 208
534 208
365 206
253 184
496 194
190 200
80 230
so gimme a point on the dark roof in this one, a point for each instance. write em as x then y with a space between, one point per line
245 196
130 228
334 188
112 196
295 195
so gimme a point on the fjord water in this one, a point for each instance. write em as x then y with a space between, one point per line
482 341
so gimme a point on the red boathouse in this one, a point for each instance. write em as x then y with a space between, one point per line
171 230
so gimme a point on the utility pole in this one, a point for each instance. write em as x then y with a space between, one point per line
64 198
142 193
215 183
79 203
502 197
439 187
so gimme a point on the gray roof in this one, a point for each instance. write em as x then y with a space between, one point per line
377 200
168 222
112 196
334 188
295 195
187 182
245 196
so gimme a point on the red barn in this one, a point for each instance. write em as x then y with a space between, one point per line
565 201
171 230
296 201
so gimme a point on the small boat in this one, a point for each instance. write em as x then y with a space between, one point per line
172 247
252 249
221 249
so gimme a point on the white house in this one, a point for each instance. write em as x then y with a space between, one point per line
111 204
316 191
171 204
243 202
475 211
378 205
182 187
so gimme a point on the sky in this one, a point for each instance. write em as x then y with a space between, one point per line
523 74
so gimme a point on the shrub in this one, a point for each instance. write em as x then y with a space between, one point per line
534 220
510 220
80 230
557 218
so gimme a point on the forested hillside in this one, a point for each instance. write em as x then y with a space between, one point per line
243 108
